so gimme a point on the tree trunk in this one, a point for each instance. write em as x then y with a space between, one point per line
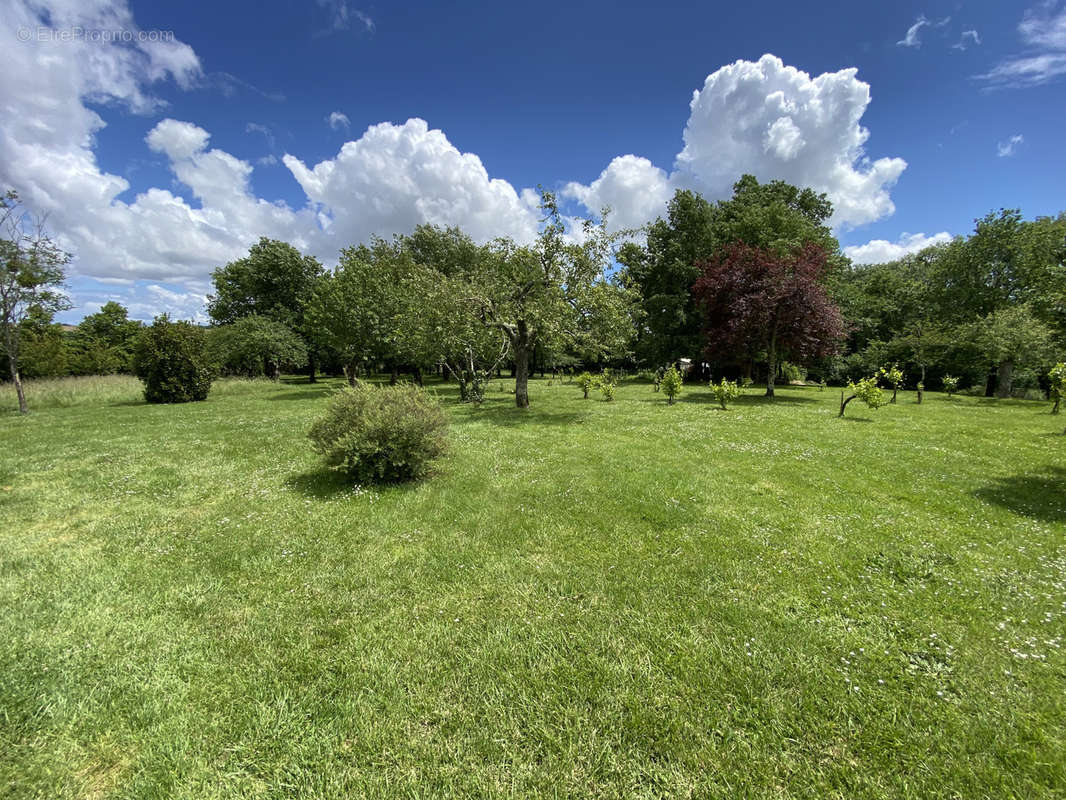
520 349
844 403
1055 408
349 372
1004 379
312 369
990 383
17 380
394 376
417 373
771 367
921 391
894 390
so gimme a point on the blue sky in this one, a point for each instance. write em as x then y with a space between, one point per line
160 160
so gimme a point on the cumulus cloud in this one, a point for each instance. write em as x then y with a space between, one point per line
337 120
760 117
396 176
880 251
635 189
912 38
770 120
1043 34
1007 149
391 179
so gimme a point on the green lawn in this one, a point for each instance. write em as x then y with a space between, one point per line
587 599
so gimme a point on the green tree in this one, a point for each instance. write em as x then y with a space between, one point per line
555 292
1012 337
103 343
256 345
274 280
171 360
31 279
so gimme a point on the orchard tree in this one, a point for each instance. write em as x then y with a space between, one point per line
1057 385
755 299
866 391
274 280
256 345
1012 337
31 279
671 384
554 291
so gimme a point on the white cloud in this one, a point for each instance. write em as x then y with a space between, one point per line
880 251
636 191
396 176
969 37
337 120
1007 149
341 16
391 179
1043 34
911 39
770 120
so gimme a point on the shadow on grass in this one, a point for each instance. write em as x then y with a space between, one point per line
510 416
746 399
1039 495
308 394
856 419
320 484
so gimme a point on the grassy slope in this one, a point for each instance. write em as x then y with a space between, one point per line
588 599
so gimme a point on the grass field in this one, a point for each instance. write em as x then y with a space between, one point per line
587 599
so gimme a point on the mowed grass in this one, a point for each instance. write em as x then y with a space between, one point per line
587 599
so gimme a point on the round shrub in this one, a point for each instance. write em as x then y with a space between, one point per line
381 434
171 359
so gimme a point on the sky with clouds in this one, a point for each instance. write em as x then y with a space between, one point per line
163 139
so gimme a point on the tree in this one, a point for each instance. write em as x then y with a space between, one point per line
255 346
1010 337
274 280
671 384
31 278
554 292
755 299
172 361
1057 385
357 309
104 341
775 216
866 390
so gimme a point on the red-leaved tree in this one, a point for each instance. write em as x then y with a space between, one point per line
756 300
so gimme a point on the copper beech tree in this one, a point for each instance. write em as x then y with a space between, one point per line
755 300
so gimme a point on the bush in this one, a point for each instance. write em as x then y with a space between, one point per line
671 384
950 384
171 359
725 392
381 434
793 373
894 377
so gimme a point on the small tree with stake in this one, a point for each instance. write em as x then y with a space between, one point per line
671 384
865 390
893 377
31 276
1057 378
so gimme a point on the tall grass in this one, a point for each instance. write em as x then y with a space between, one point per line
106 390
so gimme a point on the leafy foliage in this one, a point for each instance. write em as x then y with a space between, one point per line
586 382
255 345
950 384
671 384
605 383
31 278
171 359
725 392
381 434
893 377
865 390
1057 385
757 300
